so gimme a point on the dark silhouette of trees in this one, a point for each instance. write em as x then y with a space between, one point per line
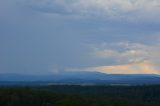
80 96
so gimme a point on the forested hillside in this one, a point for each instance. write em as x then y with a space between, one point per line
80 96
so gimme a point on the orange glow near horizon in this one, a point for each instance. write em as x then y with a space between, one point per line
141 68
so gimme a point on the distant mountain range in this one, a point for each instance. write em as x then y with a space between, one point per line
85 78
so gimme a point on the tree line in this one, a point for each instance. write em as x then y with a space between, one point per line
80 96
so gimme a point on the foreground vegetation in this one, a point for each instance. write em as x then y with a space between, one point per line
80 96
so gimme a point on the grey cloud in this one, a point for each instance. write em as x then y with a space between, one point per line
139 10
37 41
127 52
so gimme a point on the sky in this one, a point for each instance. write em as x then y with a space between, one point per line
109 36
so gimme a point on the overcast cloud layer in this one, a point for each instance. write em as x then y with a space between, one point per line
111 36
111 9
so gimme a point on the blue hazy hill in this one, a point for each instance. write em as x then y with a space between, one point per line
83 78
